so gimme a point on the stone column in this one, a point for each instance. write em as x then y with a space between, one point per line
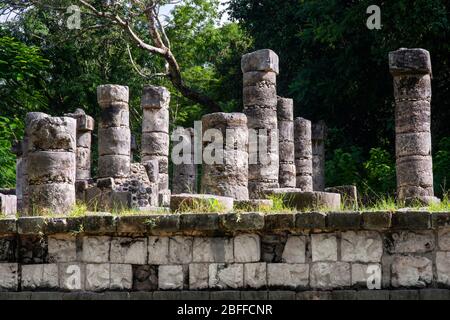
85 126
260 69
411 69
114 136
155 130
318 135
285 112
51 165
227 175
17 149
29 118
184 178
303 154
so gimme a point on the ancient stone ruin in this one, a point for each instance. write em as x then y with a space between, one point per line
167 241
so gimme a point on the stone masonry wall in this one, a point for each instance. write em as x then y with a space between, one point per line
211 252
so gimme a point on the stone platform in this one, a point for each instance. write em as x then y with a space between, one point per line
336 255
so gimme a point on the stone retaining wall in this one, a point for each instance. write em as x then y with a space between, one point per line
213 254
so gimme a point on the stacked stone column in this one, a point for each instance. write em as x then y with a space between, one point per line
318 135
114 136
51 165
260 69
185 174
85 126
229 175
17 149
285 112
155 130
303 154
411 69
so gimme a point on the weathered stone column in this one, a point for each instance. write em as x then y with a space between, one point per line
411 69
184 178
318 136
225 173
285 112
260 69
51 165
29 118
17 149
155 130
85 126
114 136
303 154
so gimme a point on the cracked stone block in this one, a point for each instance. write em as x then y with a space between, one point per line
72 276
62 248
158 250
443 268
294 250
170 277
9 276
128 250
213 250
8 249
272 247
33 249
96 249
362 246
198 276
324 247
329 275
410 271
255 275
180 249
364 273
287 275
247 248
121 276
39 276
226 276
411 242
98 277
145 278
444 239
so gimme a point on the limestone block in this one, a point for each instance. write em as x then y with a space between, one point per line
265 118
155 97
9 276
362 273
261 60
184 201
252 78
111 93
226 276
155 143
72 276
411 271
329 275
410 61
170 277
145 277
158 250
116 114
349 195
96 249
52 133
98 277
117 166
180 249
62 248
363 246
114 141
54 198
324 247
39 276
8 205
255 275
444 239
294 250
213 250
247 248
128 250
156 120
198 276
443 268
287 275
260 96
412 242
121 277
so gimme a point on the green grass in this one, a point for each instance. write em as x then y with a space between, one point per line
201 206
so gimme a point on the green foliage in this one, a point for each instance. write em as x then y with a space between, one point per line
343 168
441 166
10 130
380 172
